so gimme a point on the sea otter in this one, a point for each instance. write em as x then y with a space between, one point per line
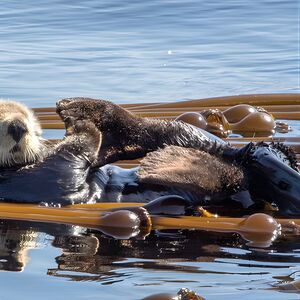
127 136
260 172
20 136
33 171
74 170
98 132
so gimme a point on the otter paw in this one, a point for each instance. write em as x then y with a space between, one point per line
63 108
67 108
69 122
84 127
86 134
62 104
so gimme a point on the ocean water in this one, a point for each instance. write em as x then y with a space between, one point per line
144 51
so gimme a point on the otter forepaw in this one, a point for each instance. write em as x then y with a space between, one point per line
84 137
69 122
83 127
66 109
69 118
63 104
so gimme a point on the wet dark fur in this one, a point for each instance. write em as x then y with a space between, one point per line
126 136
61 178
288 152
206 172
70 174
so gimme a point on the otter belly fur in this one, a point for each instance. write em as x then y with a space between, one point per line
196 165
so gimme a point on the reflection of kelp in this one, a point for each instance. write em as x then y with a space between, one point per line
163 251
112 255
94 256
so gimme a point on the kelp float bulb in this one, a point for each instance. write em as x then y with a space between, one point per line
121 219
259 229
259 223
124 224
249 120
238 112
193 118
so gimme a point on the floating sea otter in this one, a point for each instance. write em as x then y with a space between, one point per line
196 165
20 136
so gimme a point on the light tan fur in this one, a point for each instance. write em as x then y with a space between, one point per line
31 146
190 168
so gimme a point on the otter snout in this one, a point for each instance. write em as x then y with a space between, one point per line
16 129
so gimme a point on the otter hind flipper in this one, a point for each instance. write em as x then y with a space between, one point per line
192 169
286 154
272 177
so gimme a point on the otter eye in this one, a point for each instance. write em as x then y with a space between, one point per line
16 129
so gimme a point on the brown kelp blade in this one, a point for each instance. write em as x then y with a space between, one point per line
280 105
89 215
252 99
30 212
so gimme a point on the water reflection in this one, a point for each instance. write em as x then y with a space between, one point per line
163 262
91 255
14 246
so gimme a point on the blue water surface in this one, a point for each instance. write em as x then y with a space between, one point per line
144 51
137 51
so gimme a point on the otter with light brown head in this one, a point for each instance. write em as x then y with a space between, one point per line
198 167
20 136
34 171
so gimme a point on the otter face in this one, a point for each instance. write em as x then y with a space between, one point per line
20 135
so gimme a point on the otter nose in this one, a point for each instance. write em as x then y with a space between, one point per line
16 129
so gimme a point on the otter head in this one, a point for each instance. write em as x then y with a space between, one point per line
106 115
20 135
